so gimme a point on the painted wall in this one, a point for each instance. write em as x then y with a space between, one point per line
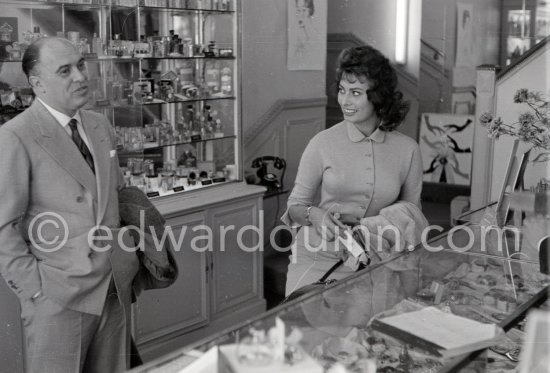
265 78
535 75
374 22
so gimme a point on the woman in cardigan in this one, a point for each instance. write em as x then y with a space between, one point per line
355 168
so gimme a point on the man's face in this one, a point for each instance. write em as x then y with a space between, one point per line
62 79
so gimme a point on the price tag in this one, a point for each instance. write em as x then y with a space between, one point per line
178 189
153 194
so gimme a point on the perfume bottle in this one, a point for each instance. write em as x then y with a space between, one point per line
226 81
97 45
218 129
212 77
115 47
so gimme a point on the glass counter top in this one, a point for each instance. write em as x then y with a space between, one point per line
334 325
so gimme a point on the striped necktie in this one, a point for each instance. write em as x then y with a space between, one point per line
80 144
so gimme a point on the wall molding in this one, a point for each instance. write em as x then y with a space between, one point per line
275 110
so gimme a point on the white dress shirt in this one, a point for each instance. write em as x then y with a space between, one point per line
64 120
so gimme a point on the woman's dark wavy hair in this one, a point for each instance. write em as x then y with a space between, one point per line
368 62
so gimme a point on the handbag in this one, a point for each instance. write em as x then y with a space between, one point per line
319 284
323 282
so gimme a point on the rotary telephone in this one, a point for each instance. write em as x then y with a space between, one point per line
268 179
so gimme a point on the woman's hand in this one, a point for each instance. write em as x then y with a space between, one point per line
326 223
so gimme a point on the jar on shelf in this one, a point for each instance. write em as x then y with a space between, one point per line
212 77
226 81
187 47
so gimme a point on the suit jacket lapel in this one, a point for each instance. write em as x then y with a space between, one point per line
56 142
99 139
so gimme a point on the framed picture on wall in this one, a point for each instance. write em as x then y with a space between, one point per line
307 34
465 36
446 142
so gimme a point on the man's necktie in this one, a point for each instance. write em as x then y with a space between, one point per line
81 145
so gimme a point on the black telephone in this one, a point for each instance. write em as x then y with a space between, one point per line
268 179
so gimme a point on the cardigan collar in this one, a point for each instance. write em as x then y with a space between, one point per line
357 136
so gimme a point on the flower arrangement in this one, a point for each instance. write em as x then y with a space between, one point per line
532 126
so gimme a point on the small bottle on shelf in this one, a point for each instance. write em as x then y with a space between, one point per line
212 77
226 81
191 121
97 45
190 159
218 131
115 47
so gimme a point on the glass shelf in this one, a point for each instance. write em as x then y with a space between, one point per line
137 59
140 151
189 10
94 5
191 188
160 102
101 4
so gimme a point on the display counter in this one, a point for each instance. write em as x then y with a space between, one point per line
340 328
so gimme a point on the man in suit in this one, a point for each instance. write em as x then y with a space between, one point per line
60 180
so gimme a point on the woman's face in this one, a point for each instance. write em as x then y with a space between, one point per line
353 100
302 12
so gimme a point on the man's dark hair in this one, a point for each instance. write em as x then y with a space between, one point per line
31 57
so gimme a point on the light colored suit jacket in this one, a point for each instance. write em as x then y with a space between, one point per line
46 181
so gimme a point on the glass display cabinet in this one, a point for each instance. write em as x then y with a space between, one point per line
335 329
165 72
167 75
524 24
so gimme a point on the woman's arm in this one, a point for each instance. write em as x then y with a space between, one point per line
412 187
308 180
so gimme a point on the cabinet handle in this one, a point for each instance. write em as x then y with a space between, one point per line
212 268
207 269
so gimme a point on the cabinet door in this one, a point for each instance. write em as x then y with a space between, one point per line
237 260
162 314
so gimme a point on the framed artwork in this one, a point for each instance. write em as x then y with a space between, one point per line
446 142
464 37
307 34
